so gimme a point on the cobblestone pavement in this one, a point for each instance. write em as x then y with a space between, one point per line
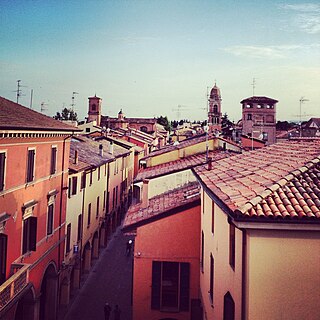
109 280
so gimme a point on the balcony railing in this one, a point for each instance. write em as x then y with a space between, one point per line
14 285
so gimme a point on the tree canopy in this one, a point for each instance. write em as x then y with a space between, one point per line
66 114
164 122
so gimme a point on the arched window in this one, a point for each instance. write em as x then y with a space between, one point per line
215 109
93 107
228 307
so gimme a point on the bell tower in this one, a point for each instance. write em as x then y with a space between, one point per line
94 113
214 113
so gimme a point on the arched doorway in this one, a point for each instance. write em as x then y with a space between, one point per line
26 306
48 298
95 246
86 257
228 307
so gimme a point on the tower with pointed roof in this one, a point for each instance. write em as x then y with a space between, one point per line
94 113
214 112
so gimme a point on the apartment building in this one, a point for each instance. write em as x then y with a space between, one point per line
34 156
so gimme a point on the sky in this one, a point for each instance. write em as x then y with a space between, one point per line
152 58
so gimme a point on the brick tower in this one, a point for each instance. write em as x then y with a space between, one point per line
94 113
259 118
214 114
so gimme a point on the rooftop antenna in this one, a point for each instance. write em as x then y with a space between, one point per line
31 98
72 99
302 100
19 91
253 85
43 106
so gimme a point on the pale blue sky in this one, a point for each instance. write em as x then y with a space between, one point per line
148 57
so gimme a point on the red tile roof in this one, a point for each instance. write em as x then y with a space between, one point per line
279 181
14 116
180 164
171 202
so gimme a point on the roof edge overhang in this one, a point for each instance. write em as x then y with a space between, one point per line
162 215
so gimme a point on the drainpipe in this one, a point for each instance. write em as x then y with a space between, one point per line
244 277
62 188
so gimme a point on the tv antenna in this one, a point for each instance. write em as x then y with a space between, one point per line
253 85
43 106
19 91
72 99
302 100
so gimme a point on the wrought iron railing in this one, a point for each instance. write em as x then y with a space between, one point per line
15 284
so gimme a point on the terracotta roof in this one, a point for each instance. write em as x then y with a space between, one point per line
17 117
89 154
180 164
278 181
171 202
260 99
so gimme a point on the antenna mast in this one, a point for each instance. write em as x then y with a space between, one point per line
19 91
253 85
72 99
302 100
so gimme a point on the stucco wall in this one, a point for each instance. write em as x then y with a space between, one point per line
283 275
225 278
175 238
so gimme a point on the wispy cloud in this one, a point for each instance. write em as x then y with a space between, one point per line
307 16
267 52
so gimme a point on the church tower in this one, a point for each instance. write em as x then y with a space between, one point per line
94 113
214 114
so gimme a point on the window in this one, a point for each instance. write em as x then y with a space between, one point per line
29 241
265 136
170 286
74 185
50 219
53 167
2 169
93 107
249 116
68 238
215 109
202 251
212 218
3 257
99 173
30 165
89 215
231 245
88 130
79 227
91 174
211 278
104 199
269 119
105 169
98 203
83 180
144 129
228 307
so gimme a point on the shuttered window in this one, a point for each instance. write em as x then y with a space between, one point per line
232 245
170 286
68 238
2 169
211 278
29 235
53 167
50 219
30 165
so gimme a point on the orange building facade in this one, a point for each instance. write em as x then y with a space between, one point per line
34 155
166 255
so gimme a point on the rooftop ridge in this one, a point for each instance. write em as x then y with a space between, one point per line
276 186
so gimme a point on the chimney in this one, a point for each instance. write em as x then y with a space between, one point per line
101 150
209 163
75 160
111 147
145 198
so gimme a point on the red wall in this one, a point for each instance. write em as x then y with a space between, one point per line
175 238
17 193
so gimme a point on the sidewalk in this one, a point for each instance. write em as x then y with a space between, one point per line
109 280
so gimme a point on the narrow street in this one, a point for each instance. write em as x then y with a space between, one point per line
109 281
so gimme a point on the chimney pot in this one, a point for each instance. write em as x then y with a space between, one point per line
101 150
209 163
145 197
111 147
76 157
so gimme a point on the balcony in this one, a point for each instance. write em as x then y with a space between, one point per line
15 284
